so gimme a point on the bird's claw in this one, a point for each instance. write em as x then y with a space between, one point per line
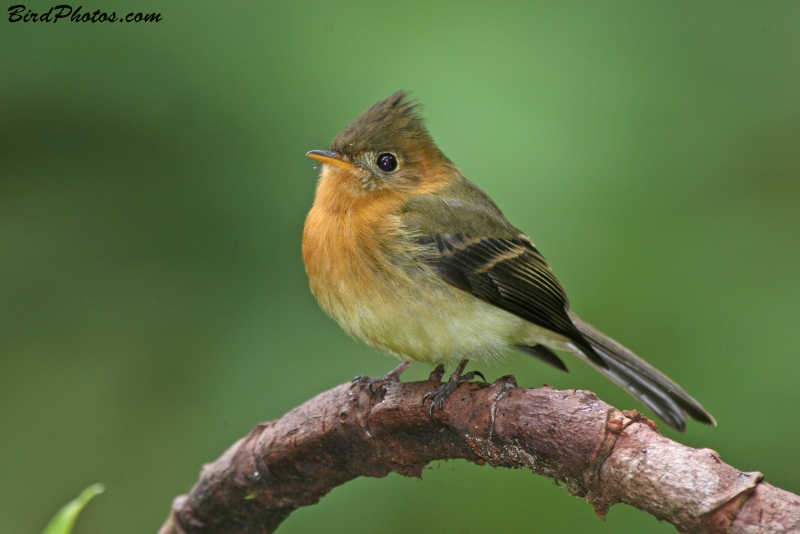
359 380
439 395
376 384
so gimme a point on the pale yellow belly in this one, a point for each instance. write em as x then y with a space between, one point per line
432 322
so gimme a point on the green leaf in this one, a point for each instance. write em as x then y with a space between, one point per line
64 520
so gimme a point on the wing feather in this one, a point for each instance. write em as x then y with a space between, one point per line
511 274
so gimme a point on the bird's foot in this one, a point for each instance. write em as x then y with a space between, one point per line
375 385
439 395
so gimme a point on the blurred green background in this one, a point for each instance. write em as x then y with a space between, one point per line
153 188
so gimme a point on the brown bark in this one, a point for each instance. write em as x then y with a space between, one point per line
600 453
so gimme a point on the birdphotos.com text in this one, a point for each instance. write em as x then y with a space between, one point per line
67 13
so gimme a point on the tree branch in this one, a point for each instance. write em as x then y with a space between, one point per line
602 454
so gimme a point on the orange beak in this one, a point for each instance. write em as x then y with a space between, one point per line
330 158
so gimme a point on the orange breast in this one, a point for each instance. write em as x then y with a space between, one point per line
349 239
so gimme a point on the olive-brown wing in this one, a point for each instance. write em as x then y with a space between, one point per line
510 274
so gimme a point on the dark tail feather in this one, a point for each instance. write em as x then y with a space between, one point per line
642 380
542 353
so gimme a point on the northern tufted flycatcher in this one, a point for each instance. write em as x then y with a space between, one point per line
412 258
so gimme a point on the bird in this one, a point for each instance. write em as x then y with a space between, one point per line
415 260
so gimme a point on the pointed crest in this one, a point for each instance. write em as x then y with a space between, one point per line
391 124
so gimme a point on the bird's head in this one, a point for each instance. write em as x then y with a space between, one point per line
387 147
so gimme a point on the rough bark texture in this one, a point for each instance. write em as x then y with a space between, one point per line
602 454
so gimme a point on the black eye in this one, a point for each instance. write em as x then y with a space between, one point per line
387 162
